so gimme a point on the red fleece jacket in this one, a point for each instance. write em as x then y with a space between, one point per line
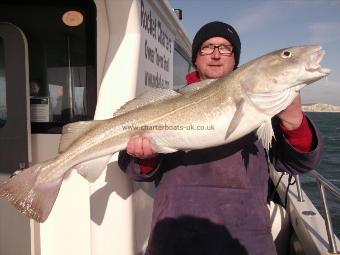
300 138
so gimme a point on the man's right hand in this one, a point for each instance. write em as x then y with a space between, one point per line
140 147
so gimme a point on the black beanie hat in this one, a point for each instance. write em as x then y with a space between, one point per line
216 29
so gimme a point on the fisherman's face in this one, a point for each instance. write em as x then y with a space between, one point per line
214 65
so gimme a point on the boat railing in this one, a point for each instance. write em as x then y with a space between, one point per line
323 184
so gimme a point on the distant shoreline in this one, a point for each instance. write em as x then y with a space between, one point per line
321 111
320 108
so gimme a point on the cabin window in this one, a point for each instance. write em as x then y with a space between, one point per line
182 67
61 39
3 105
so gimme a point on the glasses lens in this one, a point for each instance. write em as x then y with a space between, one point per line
207 49
225 49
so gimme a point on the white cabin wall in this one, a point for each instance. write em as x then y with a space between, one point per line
102 40
112 226
44 146
67 229
120 208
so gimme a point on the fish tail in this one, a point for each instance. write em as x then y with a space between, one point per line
31 198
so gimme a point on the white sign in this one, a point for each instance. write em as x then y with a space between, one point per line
40 110
157 47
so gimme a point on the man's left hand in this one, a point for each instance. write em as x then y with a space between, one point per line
292 116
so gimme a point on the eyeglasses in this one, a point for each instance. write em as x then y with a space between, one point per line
223 49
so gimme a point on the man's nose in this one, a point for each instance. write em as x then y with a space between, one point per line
216 54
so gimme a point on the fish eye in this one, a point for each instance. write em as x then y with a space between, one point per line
286 54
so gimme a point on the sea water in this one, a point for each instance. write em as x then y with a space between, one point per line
329 125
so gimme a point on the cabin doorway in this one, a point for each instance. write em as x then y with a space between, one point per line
14 119
14 132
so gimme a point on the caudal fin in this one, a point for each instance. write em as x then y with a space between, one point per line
30 198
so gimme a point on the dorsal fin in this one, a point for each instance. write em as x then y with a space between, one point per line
195 86
73 131
147 97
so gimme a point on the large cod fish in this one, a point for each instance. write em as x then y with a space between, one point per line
229 107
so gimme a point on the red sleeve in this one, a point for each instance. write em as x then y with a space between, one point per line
147 165
192 77
300 138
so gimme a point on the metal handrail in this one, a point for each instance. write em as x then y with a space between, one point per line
299 189
322 184
331 187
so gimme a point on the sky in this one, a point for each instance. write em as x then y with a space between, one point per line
267 25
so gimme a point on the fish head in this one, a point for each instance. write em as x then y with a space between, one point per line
273 80
285 68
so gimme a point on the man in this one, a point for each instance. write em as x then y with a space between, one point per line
213 201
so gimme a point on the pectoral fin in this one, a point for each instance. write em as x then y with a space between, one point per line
236 118
92 169
265 133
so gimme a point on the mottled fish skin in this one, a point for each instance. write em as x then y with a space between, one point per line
231 107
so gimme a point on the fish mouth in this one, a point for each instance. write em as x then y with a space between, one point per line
314 64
